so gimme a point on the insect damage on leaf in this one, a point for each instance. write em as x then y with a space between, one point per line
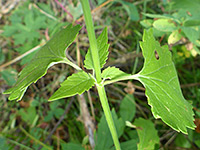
162 86
52 53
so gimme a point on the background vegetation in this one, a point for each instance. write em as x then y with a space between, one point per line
78 122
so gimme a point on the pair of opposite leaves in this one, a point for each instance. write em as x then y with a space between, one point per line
158 76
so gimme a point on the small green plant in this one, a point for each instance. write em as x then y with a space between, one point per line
158 75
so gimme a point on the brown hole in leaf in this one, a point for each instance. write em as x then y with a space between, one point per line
156 55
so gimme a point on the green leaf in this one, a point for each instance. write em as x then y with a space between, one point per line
146 23
174 37
162 86
76 11
147 134
165 25
191 22
130 9
3 144
2 56
27 29
164 16
112 73
9 75
52 53
71 146
192 33
128 145
28 115
186 5
102 45
127 108
75 84
182 141
49 116
59 112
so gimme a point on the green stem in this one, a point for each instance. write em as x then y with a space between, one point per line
19 144
108 115
92 38
97 69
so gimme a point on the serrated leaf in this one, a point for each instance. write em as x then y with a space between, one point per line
147 134
75 84
112 73
102 45
162 86
52 53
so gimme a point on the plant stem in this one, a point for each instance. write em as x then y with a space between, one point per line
92 38
97 69
108 115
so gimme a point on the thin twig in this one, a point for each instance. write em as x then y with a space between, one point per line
87 120
64 9
21 56
190 85
84 112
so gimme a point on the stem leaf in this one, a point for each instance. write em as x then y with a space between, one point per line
162 86
75 84
102 44
52 53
